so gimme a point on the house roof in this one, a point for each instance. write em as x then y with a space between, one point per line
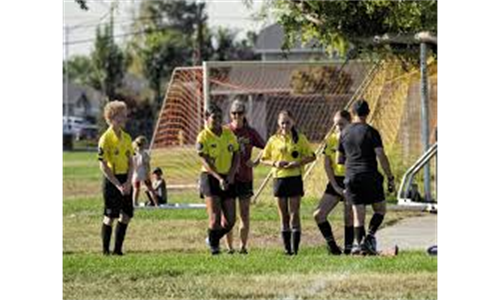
270 40
76 92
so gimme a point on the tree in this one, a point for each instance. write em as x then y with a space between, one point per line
80 69
108 60
228 48
343 25
174 31
321 80
161 53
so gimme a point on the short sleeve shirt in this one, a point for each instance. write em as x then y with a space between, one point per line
219 149
114 151
247 139
331 150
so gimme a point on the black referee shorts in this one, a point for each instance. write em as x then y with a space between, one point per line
210 187
243 189
114 202
365 188
331 191
288 187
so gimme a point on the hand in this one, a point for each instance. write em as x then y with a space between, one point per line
250 163
127 187
121 188
281 164
338 190
293 164
223 184
391 186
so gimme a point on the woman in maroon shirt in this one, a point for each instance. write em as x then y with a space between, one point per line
248 138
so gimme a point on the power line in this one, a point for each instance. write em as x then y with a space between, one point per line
116 36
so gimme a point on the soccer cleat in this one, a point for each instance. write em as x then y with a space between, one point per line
369 245
356 250
333 248
347 250
105 252
243 251
117 253
230 251
213 250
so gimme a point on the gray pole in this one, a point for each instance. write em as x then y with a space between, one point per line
206 86
66 77
424 103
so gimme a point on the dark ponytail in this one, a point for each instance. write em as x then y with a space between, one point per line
295 135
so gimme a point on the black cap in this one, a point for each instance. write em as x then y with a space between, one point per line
157 170
361 108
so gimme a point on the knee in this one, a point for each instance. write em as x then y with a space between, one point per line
319 216
107 221
124 219
380 209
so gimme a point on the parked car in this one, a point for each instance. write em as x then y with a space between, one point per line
79 128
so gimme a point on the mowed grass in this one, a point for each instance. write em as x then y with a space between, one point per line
166 257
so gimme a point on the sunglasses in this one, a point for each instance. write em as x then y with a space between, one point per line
237 113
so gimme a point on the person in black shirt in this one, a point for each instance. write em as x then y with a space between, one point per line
360 146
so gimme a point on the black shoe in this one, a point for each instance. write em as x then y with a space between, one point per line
243 251
369 245
334 249
230 251
105 252
347 250
117 253
215 251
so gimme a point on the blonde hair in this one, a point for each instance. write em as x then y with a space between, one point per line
139 142
112 109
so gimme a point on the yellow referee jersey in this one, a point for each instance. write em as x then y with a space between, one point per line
220 149
115 151
332 144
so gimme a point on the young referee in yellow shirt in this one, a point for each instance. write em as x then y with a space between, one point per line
334 192
287 152
219 151
115 156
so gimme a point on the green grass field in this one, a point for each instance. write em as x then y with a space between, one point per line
166 257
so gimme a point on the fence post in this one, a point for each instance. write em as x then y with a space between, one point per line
206 86
424 110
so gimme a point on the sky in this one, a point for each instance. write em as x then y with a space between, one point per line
82 24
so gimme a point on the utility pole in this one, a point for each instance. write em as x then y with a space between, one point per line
198 45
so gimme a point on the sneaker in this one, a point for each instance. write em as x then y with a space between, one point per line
243 251
369 245
356 250
214 250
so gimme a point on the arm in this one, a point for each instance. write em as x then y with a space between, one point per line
258 142
106 171
330 173
384 162
234 166
128 184
207 163
274 164
255 162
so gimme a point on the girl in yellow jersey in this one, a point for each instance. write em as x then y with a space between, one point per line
288 151
218 149
334 191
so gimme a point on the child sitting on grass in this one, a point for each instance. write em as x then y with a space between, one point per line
159 186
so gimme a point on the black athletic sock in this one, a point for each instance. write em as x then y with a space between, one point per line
348 237
224 231
359 234
326 231
106 231
375 223
287 241
213 238
121 230
296 241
